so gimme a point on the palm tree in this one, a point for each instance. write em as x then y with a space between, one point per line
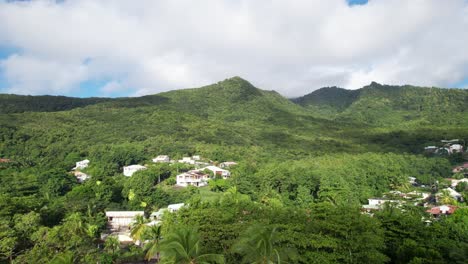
446 198
257 245
138 227
153 236
183 247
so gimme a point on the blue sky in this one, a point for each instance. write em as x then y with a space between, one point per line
357 2
293 47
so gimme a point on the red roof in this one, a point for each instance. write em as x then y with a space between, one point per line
437 210
4 160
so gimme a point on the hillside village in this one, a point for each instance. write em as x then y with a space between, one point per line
120 222
441 199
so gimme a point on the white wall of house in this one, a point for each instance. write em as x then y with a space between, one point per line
130 170
218 171
81 177
161 158
456 148
82 164
193 178
175 207
121 219
456 182
187 160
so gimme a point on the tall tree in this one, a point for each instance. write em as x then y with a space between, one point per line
152 247
258 245
183 247
138 228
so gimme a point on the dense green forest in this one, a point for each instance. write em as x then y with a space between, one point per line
305 167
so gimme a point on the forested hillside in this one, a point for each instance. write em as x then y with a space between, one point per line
395 106
304 169
10 103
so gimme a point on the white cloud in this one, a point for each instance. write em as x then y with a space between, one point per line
32 75
293 47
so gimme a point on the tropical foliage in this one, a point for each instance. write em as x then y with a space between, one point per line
304 169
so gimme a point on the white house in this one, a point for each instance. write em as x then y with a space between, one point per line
412 180
456 182
129 170
442 210
175 207
187 160
422 195
227 164
196 157
118 220
162 159
193 177
455 148
82 164
218 171
80 176
377 203
430 149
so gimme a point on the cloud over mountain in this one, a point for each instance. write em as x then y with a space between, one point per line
291 46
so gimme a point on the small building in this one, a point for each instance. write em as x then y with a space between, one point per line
442 210
218 171
81 176
421 195
81 164
456 148
412 180
162 159
196 157
455 182
227 164
430 149
130 170
175 207
157 216
5 160
121 220
187 160
192 178
377 204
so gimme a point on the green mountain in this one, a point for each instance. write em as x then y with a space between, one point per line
11 103
231 114
226 118
385 105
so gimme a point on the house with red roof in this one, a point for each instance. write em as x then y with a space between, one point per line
442 210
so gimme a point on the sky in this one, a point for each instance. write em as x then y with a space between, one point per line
116 48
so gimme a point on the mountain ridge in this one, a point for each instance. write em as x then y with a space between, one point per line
235 99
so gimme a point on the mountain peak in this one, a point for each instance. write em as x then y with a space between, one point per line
331 96
236 80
